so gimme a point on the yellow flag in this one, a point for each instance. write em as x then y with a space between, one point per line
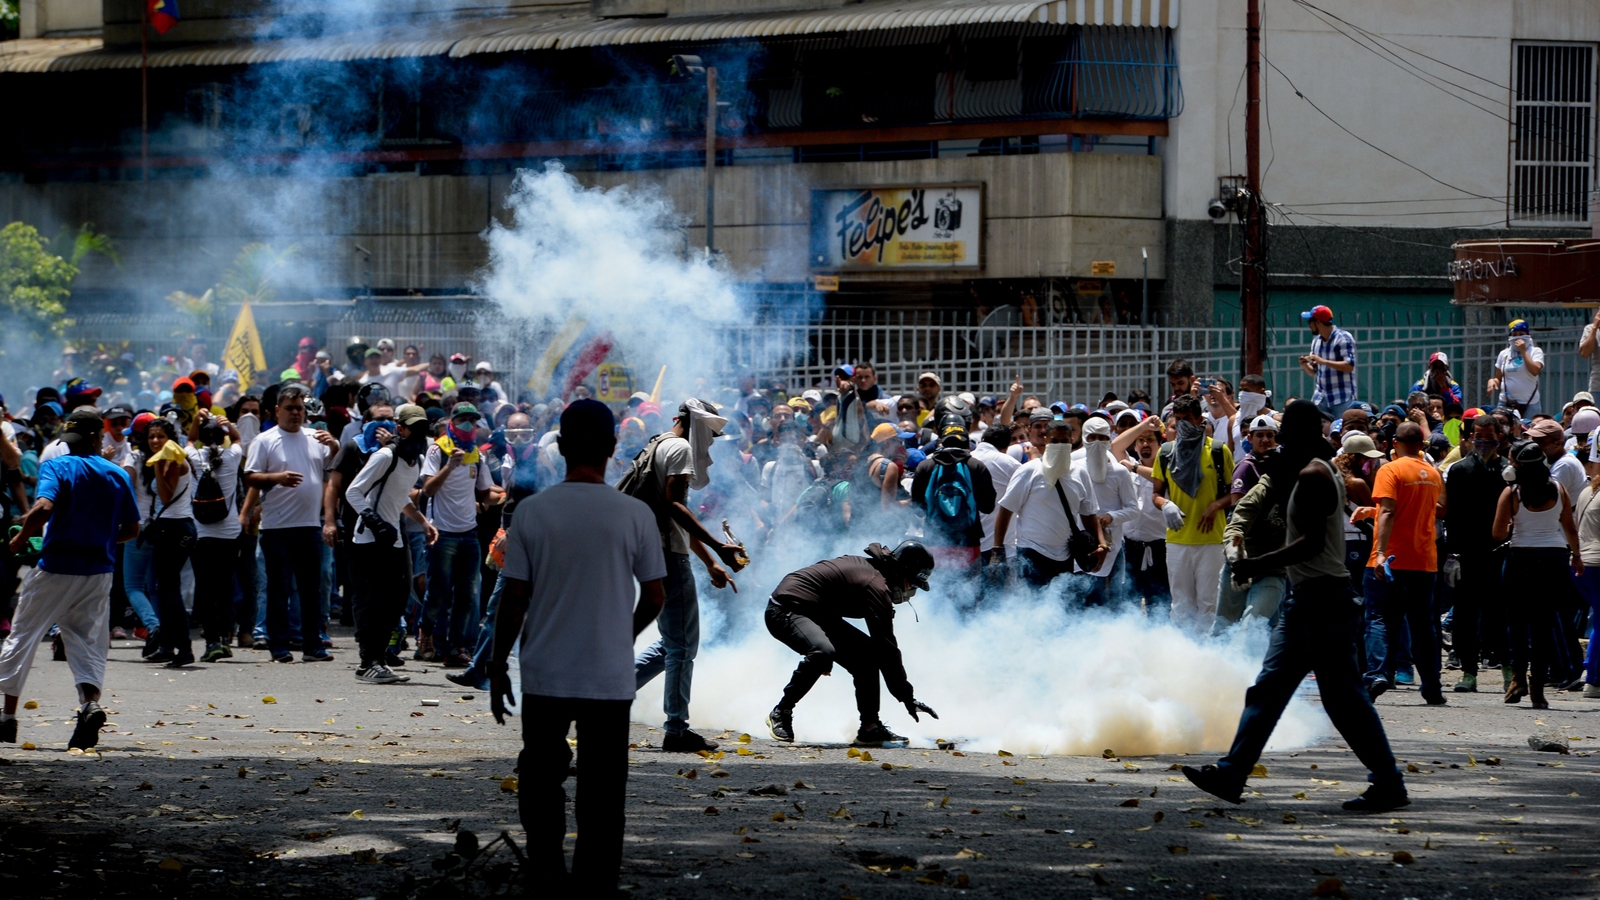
243 353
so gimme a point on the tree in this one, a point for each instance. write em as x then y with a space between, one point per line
34 283
250 279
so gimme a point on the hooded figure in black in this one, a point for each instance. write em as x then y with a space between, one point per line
807 612
955 493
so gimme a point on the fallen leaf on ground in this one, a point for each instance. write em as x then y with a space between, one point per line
269 699
1340 851
1004 753
31 704
357 814
170 865
1403 858
509 784
1178 849
1258 771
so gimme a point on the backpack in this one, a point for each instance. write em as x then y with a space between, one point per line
1224 479
815 504
639 482
950 499
210 505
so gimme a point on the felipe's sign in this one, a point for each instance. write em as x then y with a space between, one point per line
935 227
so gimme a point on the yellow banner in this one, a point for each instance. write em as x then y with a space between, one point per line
244 353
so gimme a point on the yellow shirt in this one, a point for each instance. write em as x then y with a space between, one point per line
1194 506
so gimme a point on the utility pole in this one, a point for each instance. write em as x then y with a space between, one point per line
1253 286
144 90
711 159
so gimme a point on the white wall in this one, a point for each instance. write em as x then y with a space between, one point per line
51 18
1308 160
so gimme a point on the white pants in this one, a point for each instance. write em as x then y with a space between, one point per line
1193 571
81 605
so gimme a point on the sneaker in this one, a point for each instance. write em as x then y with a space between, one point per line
140 633
181 661
87 732
161 656
217 651
1591 692
1452 662
119 634
284 657
1211 780
324 656
458 660
1379 799
688 742
1376 688
8 731
1405 677
1467 685
425 648
58 649
393 660
468 679
877 736
781 723
152 644
1575 686
260 644
378 673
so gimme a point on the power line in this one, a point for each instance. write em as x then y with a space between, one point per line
1441 62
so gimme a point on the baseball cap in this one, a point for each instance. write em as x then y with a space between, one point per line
118 411
1358 444
1317 314
1440 358
986 402
1583 397
139 423
929 376
1130 414
52 406
462 410
372 351
1263 423
289 374
884 431
1040 415
84 424
385 344
483 366
186 384
640 396
307 342
1544 428
77 387
1473 413
410 414
847 371
458 357
323 354
1518 326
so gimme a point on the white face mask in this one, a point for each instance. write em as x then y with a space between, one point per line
1098 455
1251 403
1057 462
458 370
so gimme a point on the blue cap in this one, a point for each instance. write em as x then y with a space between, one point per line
986 402
52 406
907 435
847 370
914 457
1059 407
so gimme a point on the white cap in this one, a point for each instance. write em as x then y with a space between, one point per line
483 366
1097 426
966 397
1584 396
1263 423
1585 421
813 395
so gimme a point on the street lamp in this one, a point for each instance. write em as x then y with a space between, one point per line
1144 305
689 66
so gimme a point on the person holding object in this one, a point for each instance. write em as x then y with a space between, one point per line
87 503
1192 476
807 613
1516 371
1318 625
1331 362
572 556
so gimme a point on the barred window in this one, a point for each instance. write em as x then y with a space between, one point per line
1552 133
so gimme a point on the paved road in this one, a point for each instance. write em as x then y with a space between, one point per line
343 789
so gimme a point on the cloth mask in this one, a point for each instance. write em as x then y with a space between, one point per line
1098 455
1186 462
458 371
1250 403
1057 463
704 426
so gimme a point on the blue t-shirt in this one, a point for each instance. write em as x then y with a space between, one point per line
93 500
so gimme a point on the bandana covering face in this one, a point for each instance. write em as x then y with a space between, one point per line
1251 403
704 426
1057 463
449 446
369 435
1098 455
1186 457
458 371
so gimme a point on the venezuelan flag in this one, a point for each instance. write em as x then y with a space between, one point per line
571 356
163 15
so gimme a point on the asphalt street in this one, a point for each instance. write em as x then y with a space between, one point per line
252 779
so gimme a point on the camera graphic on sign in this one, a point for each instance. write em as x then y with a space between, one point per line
947 216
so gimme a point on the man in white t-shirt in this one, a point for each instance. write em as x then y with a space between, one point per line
1032 499
991 451
456 478
682 460
285 465
573 555
1116 500
1516 371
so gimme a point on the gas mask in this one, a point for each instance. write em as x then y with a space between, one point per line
901 595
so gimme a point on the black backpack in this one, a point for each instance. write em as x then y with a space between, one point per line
1224 478
639 482
210 505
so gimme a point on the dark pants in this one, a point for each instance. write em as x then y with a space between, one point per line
1537 574
1477 627
1408 598
541 800
1039 570
380 579
172 543
1318 630
294 564
993 570
244 574
1149 583
822 641
216 562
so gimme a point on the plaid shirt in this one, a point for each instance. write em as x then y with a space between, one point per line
1333 386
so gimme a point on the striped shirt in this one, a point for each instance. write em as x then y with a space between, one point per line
1335 387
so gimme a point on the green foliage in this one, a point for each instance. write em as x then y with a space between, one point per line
34 283
250 279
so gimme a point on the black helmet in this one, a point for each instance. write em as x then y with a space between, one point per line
355 350
370 394
915 561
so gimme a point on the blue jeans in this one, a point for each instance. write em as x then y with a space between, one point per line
1408 599
480 657
1335 410
1261 598
674 652
139 581
294 568
452 610
417 543
1589 586
330 583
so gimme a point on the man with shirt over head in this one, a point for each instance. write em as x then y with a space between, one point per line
572 557
1041 496
87 504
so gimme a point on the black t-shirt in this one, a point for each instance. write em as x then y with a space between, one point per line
1472 490
348 463
982 495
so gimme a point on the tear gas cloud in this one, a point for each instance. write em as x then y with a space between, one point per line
1023 673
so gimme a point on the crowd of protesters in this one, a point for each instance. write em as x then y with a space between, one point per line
382 489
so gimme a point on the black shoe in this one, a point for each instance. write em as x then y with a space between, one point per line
1377 688
468 679
393 660
260 644
161 656
1210 779
181 661
1576 685
8 731
284 657
87 732
1379 799
876 736
1453 662
688 742
58 649
1434 699
781 723
324 656
152 644
458 660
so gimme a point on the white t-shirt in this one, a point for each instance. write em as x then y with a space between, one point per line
182 493
1150 524
673 457
123 451
1518 385
363 495
1594 363
454 508
1001 467
55 448
227 474
1116 497
280 451
1041 524
1569 473
581 547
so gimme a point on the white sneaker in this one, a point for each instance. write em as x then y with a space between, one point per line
380 674
1591 691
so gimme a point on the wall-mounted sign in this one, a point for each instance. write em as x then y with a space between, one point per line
933 227
1526 272
1103 268
825 282
613 384
1479 268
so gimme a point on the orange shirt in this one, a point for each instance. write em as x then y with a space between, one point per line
1414 486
